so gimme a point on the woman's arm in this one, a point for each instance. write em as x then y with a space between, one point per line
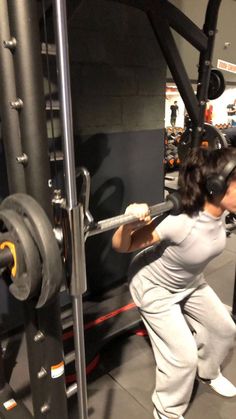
137 235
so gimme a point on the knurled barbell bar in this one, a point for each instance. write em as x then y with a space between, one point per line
171 205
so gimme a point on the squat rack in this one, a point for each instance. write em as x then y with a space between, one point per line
25 142
21 60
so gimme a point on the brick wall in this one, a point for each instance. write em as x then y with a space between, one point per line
117 70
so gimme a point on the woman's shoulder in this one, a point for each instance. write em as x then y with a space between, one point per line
181 218
175 227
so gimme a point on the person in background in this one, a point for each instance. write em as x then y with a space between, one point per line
186 119
209 113
231 112
174 109
190 329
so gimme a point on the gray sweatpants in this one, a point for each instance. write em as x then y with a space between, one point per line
191 333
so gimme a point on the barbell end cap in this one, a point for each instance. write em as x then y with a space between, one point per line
175 199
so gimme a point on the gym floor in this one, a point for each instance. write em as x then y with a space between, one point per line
121 386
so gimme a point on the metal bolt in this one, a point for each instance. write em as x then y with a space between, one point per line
39 337
199 129
23 159
45 408
56 194
207 62
202 103
17 104
42 373
211 33
57 198
10 44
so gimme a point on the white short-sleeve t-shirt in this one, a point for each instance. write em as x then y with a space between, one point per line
187 245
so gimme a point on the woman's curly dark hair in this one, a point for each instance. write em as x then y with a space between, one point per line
194 171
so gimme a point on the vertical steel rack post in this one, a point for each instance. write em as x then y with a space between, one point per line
76 215
10 122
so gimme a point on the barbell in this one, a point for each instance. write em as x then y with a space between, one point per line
171 205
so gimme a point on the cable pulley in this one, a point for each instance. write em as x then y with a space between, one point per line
216 84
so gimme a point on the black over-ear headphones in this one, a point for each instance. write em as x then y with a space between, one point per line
217 184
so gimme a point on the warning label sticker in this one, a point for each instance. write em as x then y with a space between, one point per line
57 370
224 65
10 404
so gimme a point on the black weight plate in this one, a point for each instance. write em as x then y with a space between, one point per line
212 138
41 230
27 279
216 84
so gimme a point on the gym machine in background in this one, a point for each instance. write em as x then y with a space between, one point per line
29 249
163 17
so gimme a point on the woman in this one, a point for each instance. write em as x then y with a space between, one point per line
191 331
